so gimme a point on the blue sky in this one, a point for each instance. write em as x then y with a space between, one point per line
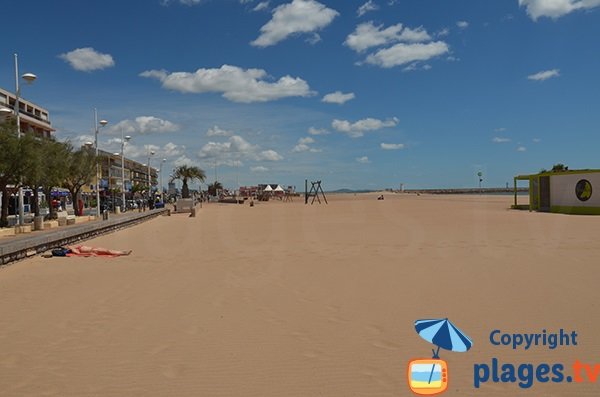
360 94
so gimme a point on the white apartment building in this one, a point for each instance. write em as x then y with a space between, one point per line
34 118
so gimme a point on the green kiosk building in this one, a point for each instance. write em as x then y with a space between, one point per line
565 192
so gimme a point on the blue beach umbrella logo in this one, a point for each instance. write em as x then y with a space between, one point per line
443 334
430 376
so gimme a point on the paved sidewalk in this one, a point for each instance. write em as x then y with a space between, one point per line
24 245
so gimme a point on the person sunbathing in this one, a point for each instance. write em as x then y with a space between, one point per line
85 250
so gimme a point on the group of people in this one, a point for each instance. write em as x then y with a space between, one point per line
143 203
57 204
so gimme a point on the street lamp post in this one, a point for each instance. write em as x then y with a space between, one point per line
29 78
162 199
97 126
150 154
124 139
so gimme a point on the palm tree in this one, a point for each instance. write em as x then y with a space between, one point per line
187 173
213 188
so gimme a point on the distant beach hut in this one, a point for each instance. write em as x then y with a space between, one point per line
566 192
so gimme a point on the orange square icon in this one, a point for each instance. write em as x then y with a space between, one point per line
428 376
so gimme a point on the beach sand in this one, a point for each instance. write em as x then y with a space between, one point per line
287 299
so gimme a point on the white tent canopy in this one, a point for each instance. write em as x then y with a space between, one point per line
278 189
268 188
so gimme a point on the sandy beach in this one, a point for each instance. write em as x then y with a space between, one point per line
287 299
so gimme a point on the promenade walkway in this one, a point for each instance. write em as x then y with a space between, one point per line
28 244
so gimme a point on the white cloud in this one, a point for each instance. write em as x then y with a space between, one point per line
234 150
498 139
263 5
501 129
317 131
299 16
521 149
301 147
313 39
304 145
443 33
367 35
269 155
363 160
235 144
143 125
236 84
218 131
259 168
306 140
368 6
392 146
462 24
357 129
185 160
536 140
81 140
132 151
544 75
414 35
402 53
416 66
140 152
171 149
338 97
555 8
87 59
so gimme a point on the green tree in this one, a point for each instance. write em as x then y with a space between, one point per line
138 188
55 167
19 159
81 166
11 166
559 167
45 167
187 173
33 173
214 188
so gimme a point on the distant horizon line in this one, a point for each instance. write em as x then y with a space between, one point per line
439 190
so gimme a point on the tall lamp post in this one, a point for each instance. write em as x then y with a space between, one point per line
29 78
162 199
124 139
97 126
150 154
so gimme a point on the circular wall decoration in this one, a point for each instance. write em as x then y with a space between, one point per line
583 190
